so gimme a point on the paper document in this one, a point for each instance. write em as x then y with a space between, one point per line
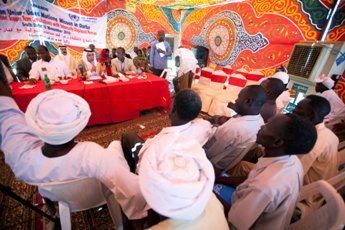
161 46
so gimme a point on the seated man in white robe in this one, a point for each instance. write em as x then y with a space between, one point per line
40 147
177 183
267 198
238 132
47 65
321 162
67 58
184 123
324 86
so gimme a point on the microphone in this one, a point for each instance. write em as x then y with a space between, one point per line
81 68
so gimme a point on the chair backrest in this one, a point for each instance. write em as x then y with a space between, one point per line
206 72
219 76
227 69
331 215
79 195
190 79
186 80
338 181
233 90
255 75
341 160
237 80
165 74
204 81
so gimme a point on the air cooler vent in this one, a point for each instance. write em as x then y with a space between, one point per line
303 59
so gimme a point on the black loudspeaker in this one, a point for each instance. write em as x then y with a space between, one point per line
201 54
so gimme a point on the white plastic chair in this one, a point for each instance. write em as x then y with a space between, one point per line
341 160
219 104
216 86
165 74
204 80
331 215
80 195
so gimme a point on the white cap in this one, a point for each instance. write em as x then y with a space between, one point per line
284 77
326 81
57 116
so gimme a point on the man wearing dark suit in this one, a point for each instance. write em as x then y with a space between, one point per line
5 68
24 64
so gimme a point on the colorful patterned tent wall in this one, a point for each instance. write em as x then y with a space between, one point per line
255 34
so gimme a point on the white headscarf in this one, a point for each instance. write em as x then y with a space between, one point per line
65 58
176 180
284 77
326 81
89 64
57 116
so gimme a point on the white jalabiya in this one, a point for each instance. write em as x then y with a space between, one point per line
23 153
57 116
68 59
177 180
90 64
284 77
188 61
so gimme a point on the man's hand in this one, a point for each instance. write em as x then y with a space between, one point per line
32 81
159 50
218 120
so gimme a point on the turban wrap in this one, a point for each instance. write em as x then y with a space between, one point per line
57 116
176 180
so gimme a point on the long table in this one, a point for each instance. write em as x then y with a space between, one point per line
109 103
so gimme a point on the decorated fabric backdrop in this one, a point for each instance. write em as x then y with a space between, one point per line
255 34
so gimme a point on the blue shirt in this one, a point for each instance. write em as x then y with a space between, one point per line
156 60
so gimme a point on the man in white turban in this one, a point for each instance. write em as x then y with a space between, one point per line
324 86
184 123
67 58
177 183
40 147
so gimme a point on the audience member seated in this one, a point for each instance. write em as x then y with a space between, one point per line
24 64
176 181
40 147
267 198
184 125
284 98
47 65
321 162
324 86
239 131
87 66
186 63
121 64
104 63
273 87
6 69
67 58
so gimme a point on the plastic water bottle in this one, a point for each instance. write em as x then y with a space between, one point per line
47 82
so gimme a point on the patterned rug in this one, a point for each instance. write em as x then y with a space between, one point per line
13 215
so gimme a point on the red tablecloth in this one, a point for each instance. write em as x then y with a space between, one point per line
109 103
